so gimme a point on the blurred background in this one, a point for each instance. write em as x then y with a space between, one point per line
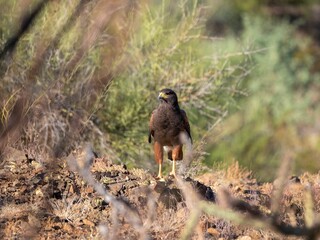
280 113
246 72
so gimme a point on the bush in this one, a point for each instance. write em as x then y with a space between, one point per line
97 80
170 52
273 119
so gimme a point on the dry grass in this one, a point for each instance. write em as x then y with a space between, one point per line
80 202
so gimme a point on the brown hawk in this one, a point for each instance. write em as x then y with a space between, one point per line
170 129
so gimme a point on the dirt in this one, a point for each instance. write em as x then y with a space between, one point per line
48 200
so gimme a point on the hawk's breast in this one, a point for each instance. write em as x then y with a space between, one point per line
167 125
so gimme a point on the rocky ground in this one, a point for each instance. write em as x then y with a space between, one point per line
55 200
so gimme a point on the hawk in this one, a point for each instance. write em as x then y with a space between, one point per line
170 129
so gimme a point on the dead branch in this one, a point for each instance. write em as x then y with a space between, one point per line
82 166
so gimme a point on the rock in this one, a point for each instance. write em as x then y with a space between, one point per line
170 197
115 188
67 227
36 165
213 232
295 179
39 192
88 222
244 238
88 189
204 191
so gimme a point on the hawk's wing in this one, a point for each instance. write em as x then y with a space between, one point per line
151 131
186 123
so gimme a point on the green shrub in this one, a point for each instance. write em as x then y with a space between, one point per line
271 119
169 50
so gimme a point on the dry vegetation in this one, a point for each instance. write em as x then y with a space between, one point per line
53 186
82 196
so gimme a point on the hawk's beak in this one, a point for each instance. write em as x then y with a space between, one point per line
162 96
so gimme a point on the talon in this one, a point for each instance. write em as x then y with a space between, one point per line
173 174
160 179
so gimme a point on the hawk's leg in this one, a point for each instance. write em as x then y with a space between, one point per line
176 155
160 177
158 155
173 171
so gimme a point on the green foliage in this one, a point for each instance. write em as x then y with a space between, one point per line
270 119
113 65
169 50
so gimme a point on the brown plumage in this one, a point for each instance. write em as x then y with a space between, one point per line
170 129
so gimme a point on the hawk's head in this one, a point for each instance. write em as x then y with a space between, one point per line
167 95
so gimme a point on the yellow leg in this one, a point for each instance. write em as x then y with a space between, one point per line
160 177
173 171
176 155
